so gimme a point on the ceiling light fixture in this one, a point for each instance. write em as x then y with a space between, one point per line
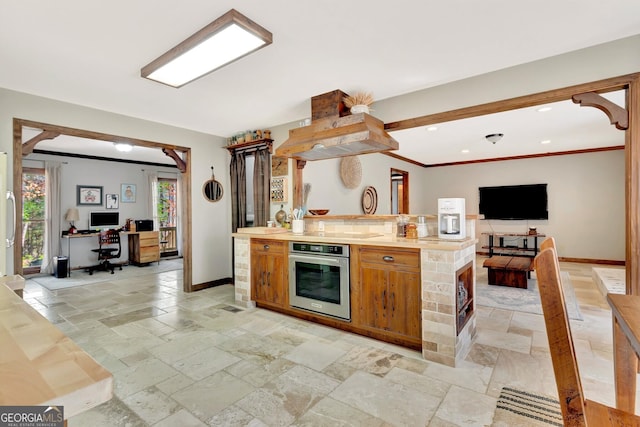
223 41
546 141
432 128
494 137
543 109
123 147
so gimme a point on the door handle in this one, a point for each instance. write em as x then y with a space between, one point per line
387 258
269 279
12 240
393 301
266 247
384 299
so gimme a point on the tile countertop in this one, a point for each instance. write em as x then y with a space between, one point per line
360 238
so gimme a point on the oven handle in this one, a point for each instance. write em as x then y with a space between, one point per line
324 260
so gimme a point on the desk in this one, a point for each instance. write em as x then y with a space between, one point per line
625 310
75 236
42 366
70 237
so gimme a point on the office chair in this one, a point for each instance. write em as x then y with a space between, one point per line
108 248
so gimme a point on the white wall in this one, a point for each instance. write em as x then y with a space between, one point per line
211 221
604 220
211 240
585 199
109 176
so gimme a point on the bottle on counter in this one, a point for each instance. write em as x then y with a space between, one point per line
403 220
411 231
422 227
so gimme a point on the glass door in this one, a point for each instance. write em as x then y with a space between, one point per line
33 219
168 216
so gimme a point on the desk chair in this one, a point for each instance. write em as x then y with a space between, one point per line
108 248
576 410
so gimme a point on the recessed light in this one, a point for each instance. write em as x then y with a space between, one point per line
465 151
546 141
543 109
432 128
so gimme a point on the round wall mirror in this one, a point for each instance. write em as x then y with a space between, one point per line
212 189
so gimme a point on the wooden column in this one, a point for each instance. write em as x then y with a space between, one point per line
297 181
632 189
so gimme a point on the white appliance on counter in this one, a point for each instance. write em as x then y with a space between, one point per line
451 218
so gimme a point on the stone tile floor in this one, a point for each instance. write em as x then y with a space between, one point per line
195 360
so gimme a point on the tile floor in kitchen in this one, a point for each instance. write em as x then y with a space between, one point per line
195 360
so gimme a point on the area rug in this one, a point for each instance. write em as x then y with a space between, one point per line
518 408
525 300
80 278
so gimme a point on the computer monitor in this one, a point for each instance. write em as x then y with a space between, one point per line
104 219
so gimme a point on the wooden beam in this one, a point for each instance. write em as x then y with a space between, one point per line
555 95
297 181
632 190
182 166
618 116
28 146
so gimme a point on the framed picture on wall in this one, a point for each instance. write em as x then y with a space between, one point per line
112 201
128 193
89 195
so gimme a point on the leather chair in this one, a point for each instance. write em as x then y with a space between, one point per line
109 247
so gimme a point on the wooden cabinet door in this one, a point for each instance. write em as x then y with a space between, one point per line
373 296
258 276
390 290
274 279
268 267
405 305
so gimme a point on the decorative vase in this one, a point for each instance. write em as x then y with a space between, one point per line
360 108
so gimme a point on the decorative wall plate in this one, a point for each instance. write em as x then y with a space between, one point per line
350 171
369 200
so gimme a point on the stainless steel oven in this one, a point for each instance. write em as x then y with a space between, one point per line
319 278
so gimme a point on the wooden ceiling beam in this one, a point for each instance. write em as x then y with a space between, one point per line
182 166
28 146
618 116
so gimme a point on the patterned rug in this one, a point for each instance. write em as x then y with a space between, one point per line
525 300
517 408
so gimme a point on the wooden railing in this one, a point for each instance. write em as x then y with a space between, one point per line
168 240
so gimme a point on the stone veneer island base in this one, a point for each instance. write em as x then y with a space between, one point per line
448 318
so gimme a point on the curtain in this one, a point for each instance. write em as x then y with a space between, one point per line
53 216
152 200
238 191
261 184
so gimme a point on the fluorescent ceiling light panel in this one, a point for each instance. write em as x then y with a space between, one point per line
225 40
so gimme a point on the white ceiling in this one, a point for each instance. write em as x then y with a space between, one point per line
90 53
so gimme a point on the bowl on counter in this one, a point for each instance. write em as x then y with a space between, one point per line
318 211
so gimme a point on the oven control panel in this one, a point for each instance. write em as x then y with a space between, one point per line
319 249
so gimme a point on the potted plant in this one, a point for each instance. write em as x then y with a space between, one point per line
358 102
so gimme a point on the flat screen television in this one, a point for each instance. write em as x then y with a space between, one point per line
104 219
514 202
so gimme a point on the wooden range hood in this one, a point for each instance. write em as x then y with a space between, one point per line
335 132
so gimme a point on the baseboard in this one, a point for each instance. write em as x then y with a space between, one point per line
212 284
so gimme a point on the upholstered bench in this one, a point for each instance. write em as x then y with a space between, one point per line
510 271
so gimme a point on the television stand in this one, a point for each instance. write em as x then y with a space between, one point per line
513 244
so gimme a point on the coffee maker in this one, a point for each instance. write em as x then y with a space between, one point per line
451 218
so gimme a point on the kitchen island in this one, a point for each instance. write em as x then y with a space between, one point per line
423 299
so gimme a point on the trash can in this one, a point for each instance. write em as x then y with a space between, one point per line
60 266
